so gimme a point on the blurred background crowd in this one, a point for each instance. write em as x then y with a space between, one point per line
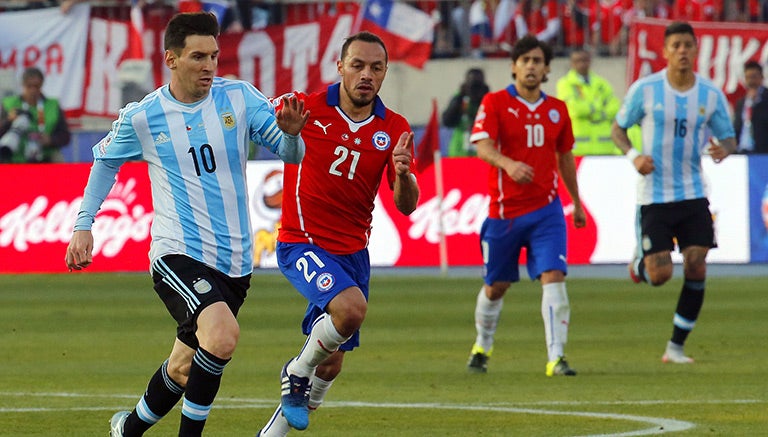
464 28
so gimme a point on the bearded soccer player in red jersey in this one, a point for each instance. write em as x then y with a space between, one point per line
526 137
352 140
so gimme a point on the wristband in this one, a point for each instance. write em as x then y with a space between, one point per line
632 154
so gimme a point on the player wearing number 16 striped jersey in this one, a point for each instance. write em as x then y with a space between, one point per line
354 143
194 134
526 137
677 110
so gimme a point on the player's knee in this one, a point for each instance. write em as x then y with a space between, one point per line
222 342
497 290
659 276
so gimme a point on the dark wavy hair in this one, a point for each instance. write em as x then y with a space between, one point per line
193 23
528 43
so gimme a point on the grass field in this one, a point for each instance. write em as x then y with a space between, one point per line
77 347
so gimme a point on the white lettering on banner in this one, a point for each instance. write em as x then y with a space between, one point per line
342 29
109 41
118 222
299 51
466 219
726 58
258 45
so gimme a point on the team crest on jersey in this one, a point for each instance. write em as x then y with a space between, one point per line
702 110
381 140
325 281
228 119
554 116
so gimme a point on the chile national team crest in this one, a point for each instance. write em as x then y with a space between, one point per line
554 116
325 281
381 140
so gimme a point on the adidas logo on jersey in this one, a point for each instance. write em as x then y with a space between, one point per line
162 138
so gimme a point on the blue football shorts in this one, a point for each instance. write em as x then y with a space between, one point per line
319 276
541 232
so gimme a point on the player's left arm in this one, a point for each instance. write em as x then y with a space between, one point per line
567 166
722 127
406 192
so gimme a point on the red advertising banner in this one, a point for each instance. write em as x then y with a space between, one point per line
39 207
464 208
723 50
40 203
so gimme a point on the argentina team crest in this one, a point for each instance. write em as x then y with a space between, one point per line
381 140
228 119
325 281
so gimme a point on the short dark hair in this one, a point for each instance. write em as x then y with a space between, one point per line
679 27
185 24
32 72
364 36
753 65
526 44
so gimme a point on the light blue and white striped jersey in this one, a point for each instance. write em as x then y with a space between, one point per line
197 155
676 128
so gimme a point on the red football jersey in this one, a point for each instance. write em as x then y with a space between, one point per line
529 132
328 198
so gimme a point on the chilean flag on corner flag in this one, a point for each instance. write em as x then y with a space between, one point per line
406 31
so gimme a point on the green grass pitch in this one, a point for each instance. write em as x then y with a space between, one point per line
75 348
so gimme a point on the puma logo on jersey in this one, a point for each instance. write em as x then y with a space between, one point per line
320 125
514 111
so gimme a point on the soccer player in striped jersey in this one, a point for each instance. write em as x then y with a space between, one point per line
677 110
194 134
353 141
526 137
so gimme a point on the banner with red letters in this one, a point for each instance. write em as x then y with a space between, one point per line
723 50
51 41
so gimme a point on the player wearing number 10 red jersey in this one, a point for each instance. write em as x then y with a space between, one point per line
525 135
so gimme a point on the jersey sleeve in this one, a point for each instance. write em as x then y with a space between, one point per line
121 142
262 123
632 110
485 126
565 140
720 122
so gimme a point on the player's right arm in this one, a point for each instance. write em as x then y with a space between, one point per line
117 147
80 249
519 171
631 112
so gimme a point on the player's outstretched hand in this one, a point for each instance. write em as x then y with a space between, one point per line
402 155
292 117
80 250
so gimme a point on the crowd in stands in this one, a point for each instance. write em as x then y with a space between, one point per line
463 28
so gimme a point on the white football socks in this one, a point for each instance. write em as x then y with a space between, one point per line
321 343
487 314
556 312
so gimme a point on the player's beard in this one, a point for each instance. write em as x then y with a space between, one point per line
358 101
